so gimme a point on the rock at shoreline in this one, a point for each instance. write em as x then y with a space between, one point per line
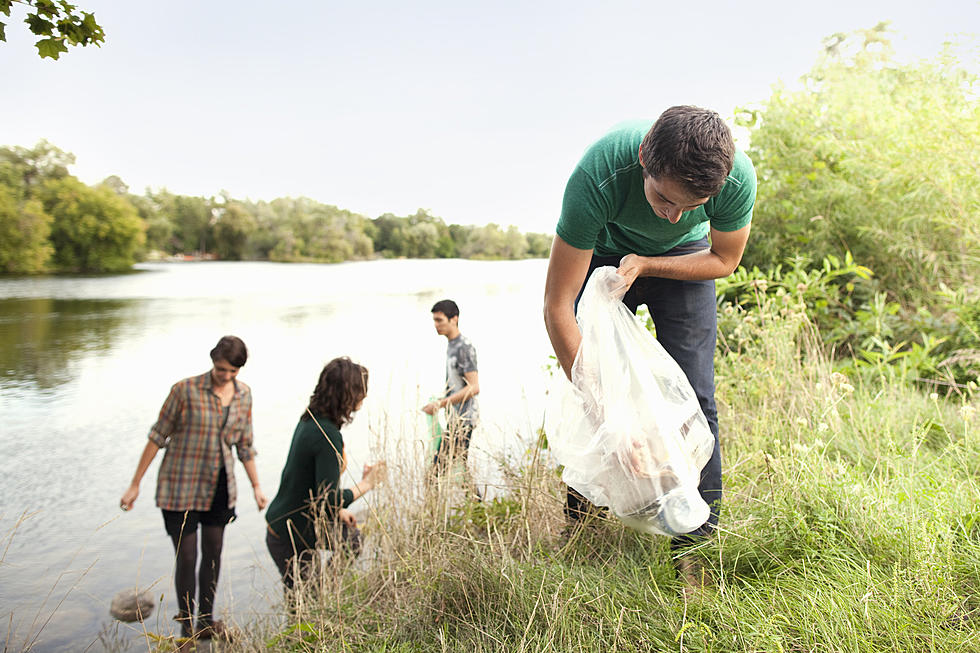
132 605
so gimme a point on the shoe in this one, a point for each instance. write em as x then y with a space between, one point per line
213 630
693 577
186 631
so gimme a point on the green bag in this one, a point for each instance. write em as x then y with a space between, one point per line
434 424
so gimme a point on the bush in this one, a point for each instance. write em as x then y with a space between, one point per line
875 158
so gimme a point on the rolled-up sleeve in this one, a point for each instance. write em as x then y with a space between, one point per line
246 451
169 419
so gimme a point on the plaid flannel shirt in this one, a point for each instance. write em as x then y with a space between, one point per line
189 428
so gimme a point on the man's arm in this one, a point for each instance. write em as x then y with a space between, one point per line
567 267
719 261
471 389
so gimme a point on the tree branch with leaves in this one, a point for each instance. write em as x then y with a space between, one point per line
58 23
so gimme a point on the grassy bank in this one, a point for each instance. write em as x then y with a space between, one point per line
850 523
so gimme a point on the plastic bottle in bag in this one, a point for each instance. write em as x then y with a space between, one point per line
630 431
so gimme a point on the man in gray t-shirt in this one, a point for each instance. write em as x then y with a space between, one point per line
462 384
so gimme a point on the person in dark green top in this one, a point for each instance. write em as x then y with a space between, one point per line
310 487
669 206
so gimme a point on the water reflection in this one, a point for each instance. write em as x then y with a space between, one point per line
41 337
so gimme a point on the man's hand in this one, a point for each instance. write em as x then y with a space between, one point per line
347 517
431 408
631 266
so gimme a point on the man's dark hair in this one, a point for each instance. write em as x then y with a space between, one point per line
341 387
447 307
231 349
691 146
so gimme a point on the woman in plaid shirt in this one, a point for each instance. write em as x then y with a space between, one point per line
202 418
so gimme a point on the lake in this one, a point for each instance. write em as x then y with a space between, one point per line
86 362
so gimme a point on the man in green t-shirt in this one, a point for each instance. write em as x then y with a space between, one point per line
669 206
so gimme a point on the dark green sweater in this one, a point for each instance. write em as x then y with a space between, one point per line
312 472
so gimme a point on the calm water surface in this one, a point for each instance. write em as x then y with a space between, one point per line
86 362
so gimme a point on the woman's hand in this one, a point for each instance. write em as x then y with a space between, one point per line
347 517
260 500
374 474
129 497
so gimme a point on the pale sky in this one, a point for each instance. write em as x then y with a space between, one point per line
477 111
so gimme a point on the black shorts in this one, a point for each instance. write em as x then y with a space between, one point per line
178 522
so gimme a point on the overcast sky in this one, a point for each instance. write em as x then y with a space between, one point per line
475 110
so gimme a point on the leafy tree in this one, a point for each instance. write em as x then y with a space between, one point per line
460 234
192 218
30 168
288 247
24 231
875 158
159 226
539 245
58 23
94 230
116 184
491 242
421 240
420 235
515 244
231 232
390 238
24 224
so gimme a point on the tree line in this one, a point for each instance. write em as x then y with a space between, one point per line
868 157
52 222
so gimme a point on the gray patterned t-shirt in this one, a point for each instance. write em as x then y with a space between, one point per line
460 359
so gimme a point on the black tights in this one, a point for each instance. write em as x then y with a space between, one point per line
185 549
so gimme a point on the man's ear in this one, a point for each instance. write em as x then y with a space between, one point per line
454 320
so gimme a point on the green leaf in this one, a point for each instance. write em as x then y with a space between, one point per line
93 29
3 35
52 47
5 7
46 7
39 25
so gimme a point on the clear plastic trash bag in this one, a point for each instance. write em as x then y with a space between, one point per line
628 428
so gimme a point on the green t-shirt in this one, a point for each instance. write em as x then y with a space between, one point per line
312 469
605 209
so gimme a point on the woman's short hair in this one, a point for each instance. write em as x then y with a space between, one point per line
341 388
231 349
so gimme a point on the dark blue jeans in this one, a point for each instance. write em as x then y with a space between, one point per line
685 315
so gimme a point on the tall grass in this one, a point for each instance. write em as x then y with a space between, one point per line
850 523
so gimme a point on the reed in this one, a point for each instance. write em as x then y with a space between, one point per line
850 523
